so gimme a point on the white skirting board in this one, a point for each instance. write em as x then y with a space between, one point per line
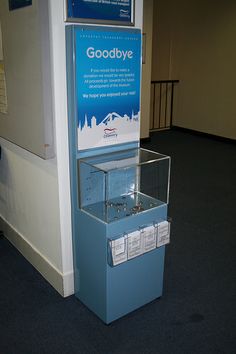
63 283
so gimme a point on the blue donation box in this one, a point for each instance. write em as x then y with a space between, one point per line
119 191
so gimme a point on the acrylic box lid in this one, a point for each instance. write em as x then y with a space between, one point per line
124 159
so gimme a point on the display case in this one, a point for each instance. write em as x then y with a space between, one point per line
121 184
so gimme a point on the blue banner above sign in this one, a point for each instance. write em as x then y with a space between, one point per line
17 4
101 10
107 86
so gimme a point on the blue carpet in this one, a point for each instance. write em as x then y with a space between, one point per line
197 313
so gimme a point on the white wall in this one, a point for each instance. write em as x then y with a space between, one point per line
29 205
34 193
139 14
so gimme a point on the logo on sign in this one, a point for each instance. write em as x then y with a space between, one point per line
110 132
124 13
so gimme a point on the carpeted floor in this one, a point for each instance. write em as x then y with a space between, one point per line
197 313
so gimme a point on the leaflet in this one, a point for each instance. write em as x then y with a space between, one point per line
119 250
149 238
163 233
135 244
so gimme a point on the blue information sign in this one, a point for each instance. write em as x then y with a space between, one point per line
101 10
107 86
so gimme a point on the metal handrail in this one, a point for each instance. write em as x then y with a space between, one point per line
168 101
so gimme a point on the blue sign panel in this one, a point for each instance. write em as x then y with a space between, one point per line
17 4
107 86
101 10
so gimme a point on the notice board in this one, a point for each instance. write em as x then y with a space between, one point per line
119 12
26 111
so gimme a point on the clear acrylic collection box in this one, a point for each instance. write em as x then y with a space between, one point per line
120 184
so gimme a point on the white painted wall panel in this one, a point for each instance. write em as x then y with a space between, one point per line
25 41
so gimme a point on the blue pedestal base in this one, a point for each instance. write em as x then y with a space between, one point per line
112 292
